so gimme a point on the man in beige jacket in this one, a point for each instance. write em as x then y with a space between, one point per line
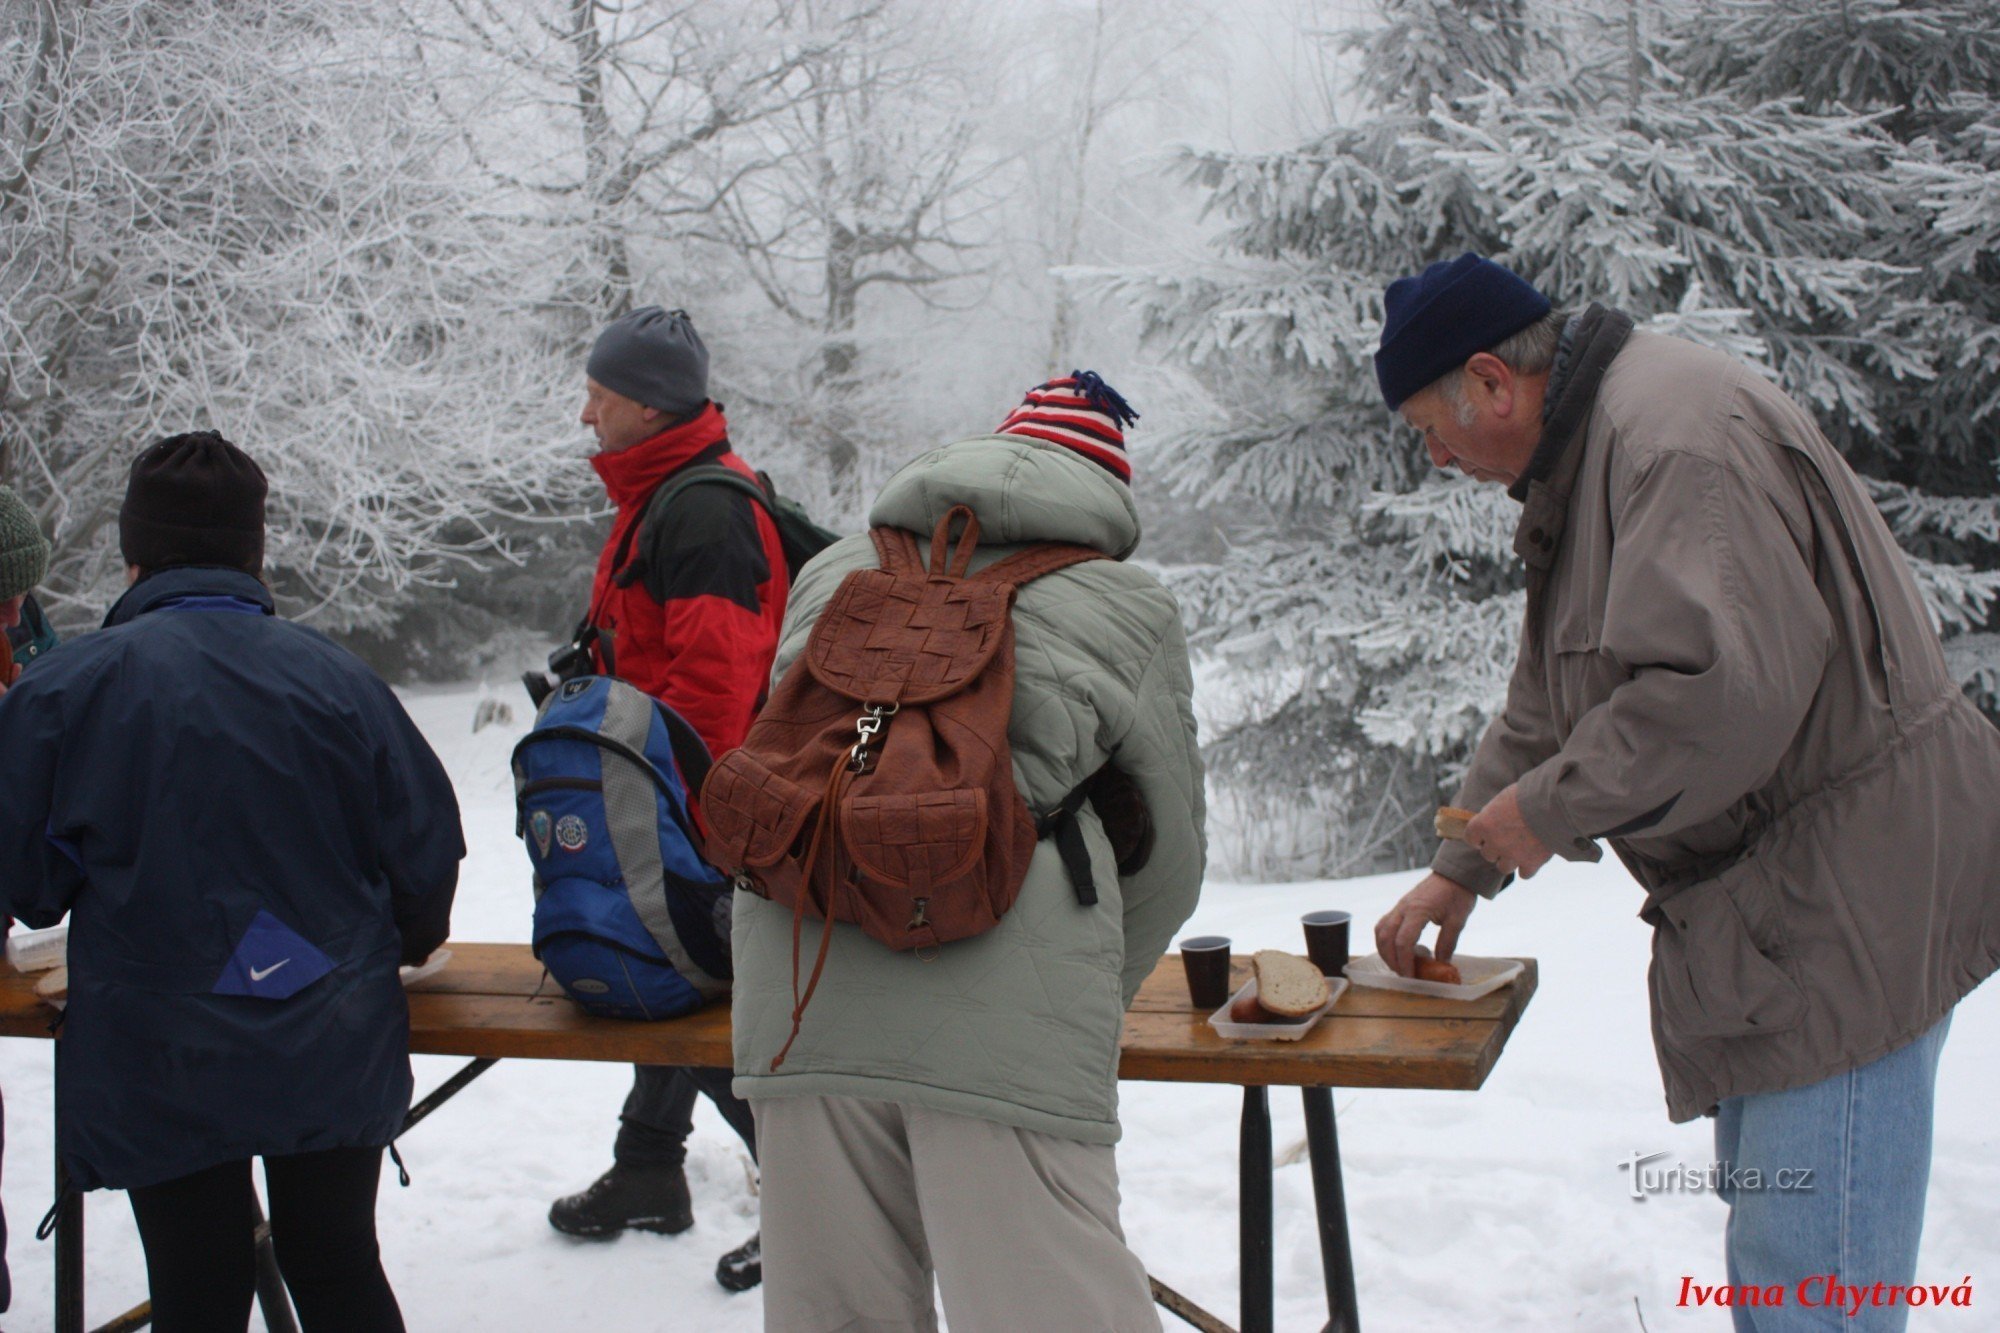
1725 671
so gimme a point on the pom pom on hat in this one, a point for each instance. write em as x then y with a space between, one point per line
1079 412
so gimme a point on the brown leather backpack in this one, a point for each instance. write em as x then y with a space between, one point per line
877 786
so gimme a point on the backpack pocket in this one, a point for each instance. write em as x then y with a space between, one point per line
915 842
754 815
923 859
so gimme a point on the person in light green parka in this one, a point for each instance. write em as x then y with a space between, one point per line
955 1115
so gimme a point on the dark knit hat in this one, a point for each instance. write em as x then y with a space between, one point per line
1080 412
194 499
1435 322
655 357
24 551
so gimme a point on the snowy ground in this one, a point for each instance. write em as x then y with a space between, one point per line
1503 1208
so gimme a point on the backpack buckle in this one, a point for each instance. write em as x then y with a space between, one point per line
861 759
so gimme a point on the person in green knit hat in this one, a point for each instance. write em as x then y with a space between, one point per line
24 560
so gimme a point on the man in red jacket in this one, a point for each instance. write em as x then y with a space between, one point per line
686 606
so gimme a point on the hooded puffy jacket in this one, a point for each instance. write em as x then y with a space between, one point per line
1019 1025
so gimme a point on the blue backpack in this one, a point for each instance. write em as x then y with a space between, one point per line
629 919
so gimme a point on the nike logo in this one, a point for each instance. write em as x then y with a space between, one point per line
255 975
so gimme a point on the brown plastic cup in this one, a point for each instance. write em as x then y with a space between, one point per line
1206 958
1326 941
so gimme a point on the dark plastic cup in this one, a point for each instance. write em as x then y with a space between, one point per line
1326 940
1206 958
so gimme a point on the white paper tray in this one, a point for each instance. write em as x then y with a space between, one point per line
1219 1020
1482 976
430 967
38 950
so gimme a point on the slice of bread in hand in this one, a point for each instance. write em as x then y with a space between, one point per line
1288 986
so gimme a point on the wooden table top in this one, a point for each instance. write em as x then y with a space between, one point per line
484 1003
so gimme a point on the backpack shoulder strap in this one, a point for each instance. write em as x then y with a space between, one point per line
1031 564
896 551
625 574
708 474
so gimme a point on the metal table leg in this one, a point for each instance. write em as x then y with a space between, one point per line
69 1254
1330 1198
1254 1212
272 1297
445 1091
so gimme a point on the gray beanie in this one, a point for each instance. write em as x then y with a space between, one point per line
655 357
24 551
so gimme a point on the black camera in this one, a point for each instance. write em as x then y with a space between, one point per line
571 660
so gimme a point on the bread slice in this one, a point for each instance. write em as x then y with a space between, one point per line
1287 985
1451 821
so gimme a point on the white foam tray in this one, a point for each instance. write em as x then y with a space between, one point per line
1220 1021
430 967
1482 976
38 950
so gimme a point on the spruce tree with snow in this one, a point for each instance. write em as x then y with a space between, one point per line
1681 163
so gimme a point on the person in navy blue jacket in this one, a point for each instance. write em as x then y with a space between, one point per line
249 835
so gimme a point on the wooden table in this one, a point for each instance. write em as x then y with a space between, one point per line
490 1003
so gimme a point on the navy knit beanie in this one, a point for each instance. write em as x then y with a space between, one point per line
654 357
194 499
1435 322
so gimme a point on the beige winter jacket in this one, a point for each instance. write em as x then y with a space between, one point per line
1019 1025
1730 675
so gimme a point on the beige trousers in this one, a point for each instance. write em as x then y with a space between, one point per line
865 1201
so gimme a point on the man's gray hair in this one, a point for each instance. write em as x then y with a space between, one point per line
1529 352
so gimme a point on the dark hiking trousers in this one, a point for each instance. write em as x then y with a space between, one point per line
659 1113
201 1254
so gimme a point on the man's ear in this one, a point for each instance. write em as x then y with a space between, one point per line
133 574
1492 379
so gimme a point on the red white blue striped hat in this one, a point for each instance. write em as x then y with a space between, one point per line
1080 412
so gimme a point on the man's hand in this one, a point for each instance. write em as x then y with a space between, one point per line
1499 834
1436 900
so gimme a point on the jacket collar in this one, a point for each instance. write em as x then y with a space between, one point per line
184 582
631 475
1590 343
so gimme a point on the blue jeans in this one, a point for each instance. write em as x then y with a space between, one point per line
1865 1136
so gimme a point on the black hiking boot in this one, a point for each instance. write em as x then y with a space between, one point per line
743 1267
642 1198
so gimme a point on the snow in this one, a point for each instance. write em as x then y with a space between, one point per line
1503 1208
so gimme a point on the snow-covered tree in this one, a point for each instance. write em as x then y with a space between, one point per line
243 217
1604 157
855 211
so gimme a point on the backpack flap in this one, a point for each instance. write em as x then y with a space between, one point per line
893 635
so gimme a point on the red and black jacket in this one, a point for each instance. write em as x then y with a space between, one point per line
698 627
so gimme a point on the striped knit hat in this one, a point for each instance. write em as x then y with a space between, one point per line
1082 413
